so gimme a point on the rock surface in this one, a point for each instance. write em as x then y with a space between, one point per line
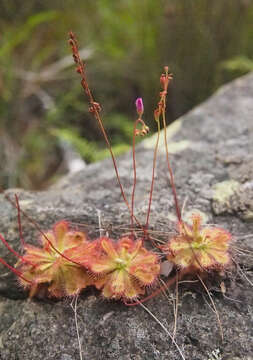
213 161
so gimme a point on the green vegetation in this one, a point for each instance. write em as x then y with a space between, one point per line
127 43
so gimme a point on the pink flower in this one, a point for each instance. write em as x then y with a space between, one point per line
139 106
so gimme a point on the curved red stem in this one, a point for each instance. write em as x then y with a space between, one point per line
134 171
15 271
41 232
158 291
153 174
172 183
13 251
139 120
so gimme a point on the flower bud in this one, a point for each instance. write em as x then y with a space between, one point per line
156 114
139 106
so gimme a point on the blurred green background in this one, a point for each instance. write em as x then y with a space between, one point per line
43 114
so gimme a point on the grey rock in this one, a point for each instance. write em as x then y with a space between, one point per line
212 147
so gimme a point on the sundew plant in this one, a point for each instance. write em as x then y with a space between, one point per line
66 261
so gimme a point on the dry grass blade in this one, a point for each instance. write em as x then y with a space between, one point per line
164 328
165 289
244 275
175 309
73 306
214 307
242 251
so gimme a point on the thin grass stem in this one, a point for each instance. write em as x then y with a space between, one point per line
165 329
74 308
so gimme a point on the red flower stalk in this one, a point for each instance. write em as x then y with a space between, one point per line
124 268
95 109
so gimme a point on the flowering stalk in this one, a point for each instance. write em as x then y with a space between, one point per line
165 81
95 109
158 112
137 132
